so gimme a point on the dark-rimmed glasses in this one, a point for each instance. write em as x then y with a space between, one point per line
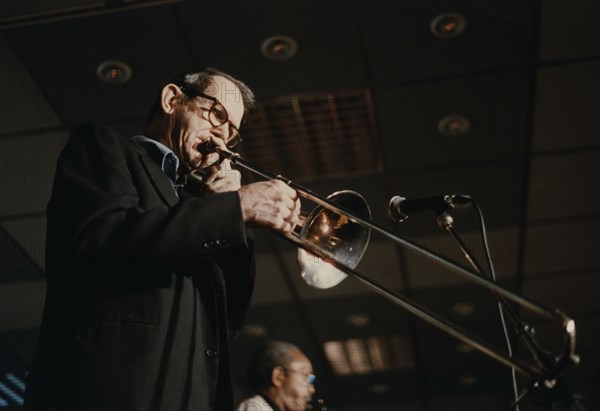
217 116
310 378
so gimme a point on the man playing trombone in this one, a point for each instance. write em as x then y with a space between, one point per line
150 270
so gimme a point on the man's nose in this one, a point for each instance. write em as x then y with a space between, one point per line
221 131
311 389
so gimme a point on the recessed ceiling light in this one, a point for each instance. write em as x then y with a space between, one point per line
448 25
255 330
454 125
464 309
464 348
379 389
358 320
114 72
279 48
468 380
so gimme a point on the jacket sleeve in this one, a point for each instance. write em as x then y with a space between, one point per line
94 214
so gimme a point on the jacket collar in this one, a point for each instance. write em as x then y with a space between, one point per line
162 183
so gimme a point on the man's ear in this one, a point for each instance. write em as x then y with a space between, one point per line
170 97
277 376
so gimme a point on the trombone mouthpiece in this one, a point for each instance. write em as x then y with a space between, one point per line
206 147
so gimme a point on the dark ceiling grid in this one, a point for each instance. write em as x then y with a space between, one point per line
330 43
451 95
496 37
81 96
533 60
24 13
23 107
27 173
569 30
566 112
563 208
16 263
553 193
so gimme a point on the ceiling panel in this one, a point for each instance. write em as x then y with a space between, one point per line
397 388
466 305
564 185
573 294
569 29
464 372
30 235
335 319
426 273
495 106
21 304
35 7
16 262
560 248
332 41
401 46
22 106
270 286
65 62
567 106
28 166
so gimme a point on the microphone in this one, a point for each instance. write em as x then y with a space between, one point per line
400 208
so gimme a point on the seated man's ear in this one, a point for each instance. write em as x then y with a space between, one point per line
277 376
170 97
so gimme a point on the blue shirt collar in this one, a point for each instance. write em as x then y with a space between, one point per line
162 155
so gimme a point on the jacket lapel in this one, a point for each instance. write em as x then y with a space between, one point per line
159 179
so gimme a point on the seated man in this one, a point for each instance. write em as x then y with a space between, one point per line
282 378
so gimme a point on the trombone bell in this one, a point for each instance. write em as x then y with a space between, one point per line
337 236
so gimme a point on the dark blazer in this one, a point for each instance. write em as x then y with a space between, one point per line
143 286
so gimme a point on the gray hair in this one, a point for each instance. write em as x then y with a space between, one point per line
200 81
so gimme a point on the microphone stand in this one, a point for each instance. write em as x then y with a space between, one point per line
545 370
548 391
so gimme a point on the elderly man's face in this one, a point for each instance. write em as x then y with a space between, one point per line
296 391
194 127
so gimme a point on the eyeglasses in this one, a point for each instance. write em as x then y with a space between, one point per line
217 116
310 378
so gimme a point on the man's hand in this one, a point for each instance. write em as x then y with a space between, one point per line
270 204
220 178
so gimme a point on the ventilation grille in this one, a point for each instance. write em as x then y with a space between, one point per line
359 356
308 136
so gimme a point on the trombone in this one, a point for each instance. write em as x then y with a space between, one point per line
337 231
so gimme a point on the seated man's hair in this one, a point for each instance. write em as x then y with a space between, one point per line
264 360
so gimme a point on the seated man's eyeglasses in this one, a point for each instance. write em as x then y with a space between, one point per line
310 378
217 116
